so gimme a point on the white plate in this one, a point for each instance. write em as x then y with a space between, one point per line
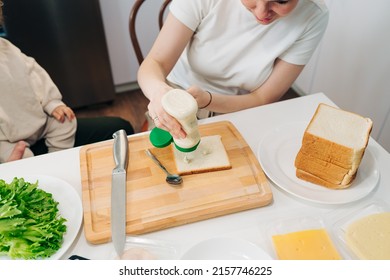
277 152
225 248
70 206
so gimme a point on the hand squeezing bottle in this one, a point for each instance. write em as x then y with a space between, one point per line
183 107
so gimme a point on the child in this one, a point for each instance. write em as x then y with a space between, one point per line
31 107
32 110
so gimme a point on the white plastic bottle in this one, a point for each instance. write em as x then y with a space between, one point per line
183 107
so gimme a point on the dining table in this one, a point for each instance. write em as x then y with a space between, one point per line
254 225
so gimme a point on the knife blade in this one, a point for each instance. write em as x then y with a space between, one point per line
118 191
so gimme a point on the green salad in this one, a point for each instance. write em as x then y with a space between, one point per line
31 226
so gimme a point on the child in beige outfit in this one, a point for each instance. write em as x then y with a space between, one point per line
31 106
33 118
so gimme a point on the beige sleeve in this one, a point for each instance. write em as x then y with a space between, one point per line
46 91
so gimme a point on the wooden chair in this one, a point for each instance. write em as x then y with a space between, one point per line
132 25
134 38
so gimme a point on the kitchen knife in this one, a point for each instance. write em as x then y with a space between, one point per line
118 191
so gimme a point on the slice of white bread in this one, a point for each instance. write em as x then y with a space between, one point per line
319 181
332 147
327 150
324 169
209 156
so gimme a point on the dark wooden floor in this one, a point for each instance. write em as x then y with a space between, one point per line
132 106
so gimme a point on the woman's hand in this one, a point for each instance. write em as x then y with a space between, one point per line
163 120
61 112
201 96
166 50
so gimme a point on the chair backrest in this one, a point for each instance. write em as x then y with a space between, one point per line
132 25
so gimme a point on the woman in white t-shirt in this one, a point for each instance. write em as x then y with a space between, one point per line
230 54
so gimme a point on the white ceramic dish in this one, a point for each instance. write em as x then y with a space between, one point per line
70 206
225 248
277 152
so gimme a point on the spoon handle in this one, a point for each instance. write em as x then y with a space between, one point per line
149 153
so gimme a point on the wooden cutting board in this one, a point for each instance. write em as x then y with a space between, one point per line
152 204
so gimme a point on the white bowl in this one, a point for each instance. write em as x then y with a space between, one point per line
225 248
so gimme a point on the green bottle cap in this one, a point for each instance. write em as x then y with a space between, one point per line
160 138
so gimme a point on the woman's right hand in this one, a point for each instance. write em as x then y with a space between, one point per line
152 74
163 120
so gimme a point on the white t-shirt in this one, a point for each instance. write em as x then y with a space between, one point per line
231 53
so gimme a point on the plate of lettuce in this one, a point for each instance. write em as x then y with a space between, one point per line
40 217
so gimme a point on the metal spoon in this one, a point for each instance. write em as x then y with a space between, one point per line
172 179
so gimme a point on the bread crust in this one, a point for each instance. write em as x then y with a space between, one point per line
334 153
324 169
318 181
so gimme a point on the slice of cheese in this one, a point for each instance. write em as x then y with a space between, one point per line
314 244
209 156
369 237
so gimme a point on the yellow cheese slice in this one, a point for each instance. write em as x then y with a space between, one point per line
369 237
314 244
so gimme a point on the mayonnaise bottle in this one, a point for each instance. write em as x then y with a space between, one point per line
183 107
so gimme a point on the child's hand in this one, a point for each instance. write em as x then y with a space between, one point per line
62 112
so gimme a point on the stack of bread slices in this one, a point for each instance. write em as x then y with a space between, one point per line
332 148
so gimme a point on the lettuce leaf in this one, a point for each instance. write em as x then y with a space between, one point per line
31 226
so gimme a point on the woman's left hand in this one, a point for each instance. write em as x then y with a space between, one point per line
201 96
